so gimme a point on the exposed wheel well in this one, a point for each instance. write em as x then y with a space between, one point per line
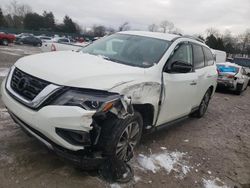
146 111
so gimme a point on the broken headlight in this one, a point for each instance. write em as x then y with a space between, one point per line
93 100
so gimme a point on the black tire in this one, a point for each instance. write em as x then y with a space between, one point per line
203 105
239 89
114 131
5 42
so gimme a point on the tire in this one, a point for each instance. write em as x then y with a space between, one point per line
115 140
239 89
204 104
5 42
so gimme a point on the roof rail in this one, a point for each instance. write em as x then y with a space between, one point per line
193 37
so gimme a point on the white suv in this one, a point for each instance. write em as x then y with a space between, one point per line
95 103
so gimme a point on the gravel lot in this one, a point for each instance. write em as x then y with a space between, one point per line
213 151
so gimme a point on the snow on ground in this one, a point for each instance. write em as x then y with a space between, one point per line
11 53
18 51
115 185
4 113
167 160
215 183
4 72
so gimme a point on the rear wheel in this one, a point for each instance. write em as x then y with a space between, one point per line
239 89
120 136
204 104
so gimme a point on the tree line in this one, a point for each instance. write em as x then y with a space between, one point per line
21 16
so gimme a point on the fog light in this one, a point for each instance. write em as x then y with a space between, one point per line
74 137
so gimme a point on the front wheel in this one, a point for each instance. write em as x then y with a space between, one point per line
120 136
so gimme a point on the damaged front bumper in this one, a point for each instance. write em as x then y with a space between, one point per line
59 127
82 158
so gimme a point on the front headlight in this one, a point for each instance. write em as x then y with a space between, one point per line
89 100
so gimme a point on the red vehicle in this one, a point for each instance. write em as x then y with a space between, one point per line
5 38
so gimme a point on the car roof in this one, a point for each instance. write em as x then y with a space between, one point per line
229 64
158 35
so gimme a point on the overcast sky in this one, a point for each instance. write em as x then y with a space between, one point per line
191 16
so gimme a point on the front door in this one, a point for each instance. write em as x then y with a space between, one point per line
179 88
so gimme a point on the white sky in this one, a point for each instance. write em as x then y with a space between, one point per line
191 16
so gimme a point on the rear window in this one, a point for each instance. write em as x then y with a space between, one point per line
227 68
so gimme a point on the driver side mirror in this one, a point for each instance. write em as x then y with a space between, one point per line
179 67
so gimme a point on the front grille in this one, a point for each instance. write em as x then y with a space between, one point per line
26 85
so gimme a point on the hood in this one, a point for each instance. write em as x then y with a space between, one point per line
77 69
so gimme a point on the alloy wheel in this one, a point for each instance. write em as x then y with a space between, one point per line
128 140
204 103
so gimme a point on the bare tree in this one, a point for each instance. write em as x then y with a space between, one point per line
212 31
14 8
167 26
99 31
124 27
245 42
15 13
153 27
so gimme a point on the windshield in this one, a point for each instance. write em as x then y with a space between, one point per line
226 68
129 49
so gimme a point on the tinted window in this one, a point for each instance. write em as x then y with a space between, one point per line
208 56
198 57
182 54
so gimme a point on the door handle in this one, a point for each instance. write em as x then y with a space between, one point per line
193 83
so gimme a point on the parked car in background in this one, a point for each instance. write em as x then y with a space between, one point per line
232 76
94 104
23 35
6 38
62 44
31 40
245 62
45 38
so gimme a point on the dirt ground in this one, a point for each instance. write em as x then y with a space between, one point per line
213 151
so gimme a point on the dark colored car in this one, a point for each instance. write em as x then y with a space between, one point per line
30 40
6 38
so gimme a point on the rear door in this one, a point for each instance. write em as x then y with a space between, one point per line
179 88
202 72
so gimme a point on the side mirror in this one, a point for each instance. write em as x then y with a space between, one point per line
179 67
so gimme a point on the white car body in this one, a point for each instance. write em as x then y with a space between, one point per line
177 94
233 80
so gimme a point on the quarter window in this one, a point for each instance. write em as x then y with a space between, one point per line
208 56
198 57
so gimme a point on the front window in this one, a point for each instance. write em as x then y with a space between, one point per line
129 49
